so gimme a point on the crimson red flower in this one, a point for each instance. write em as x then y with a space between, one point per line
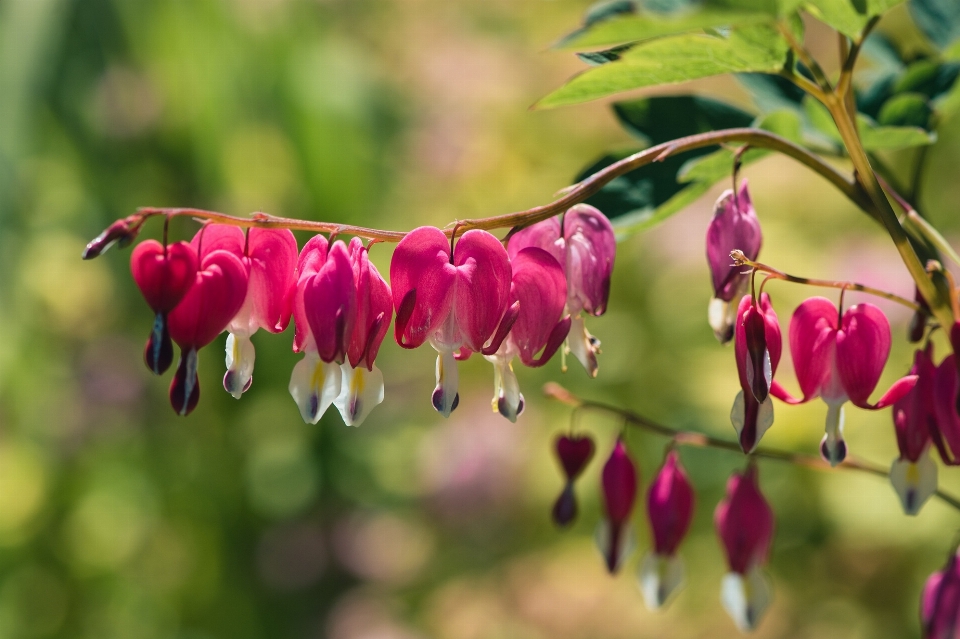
619 481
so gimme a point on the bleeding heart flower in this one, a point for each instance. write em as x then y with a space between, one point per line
945 427
744 523
539 288
940 604
585 247
164 275
914 473
574 453
670 511
757 348
218 291
453 299
270 256
734 227
361 387
619 481
840 360
324 310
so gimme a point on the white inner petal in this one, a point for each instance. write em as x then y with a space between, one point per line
914 483
660 576
240 358
746 597
360 391
583 345
314 384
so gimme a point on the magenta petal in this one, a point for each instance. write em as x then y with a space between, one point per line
163 276
863 345
483 277
272 255
619 485
541 288
591 248
544 235
421 271
215 297
913 412
813 333
374 308
574 453
670 506
757 338
744 522
945 397
783 394
556 339
940 604
312 258
734 227
330 304
219 237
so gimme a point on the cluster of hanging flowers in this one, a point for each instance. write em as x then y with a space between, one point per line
465 295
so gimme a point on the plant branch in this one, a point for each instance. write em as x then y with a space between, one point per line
739 259
848 56
805 57
689 438
579 192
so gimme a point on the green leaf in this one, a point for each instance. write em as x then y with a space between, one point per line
905 109
676 59
938 19
637 28
875 137
596 58
848 16
652 193
661 119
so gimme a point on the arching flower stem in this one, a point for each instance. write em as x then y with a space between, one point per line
740 259
688 438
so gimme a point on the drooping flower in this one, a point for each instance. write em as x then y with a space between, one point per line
914 473
540 288
840 359
362 382
452 298
734 226
270 257
324 308
217 294
945 425
940 603
619 481
585 247
757 348
574 453
164 275
744 523
669 510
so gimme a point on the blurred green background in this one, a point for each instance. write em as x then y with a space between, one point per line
120 520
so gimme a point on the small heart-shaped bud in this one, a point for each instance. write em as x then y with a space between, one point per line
164 275
574 453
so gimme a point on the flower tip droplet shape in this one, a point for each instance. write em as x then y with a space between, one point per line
619 483
734 226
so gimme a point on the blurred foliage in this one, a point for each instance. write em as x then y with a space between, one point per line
120 520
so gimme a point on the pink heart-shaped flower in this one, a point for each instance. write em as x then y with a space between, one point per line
164 276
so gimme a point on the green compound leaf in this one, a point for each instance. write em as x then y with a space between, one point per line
938 19
652 193
848 16
674 59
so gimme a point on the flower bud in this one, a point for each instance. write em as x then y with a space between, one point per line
670 510
734 227
940 603
757 350
914 474
744 523
574 453
619 481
